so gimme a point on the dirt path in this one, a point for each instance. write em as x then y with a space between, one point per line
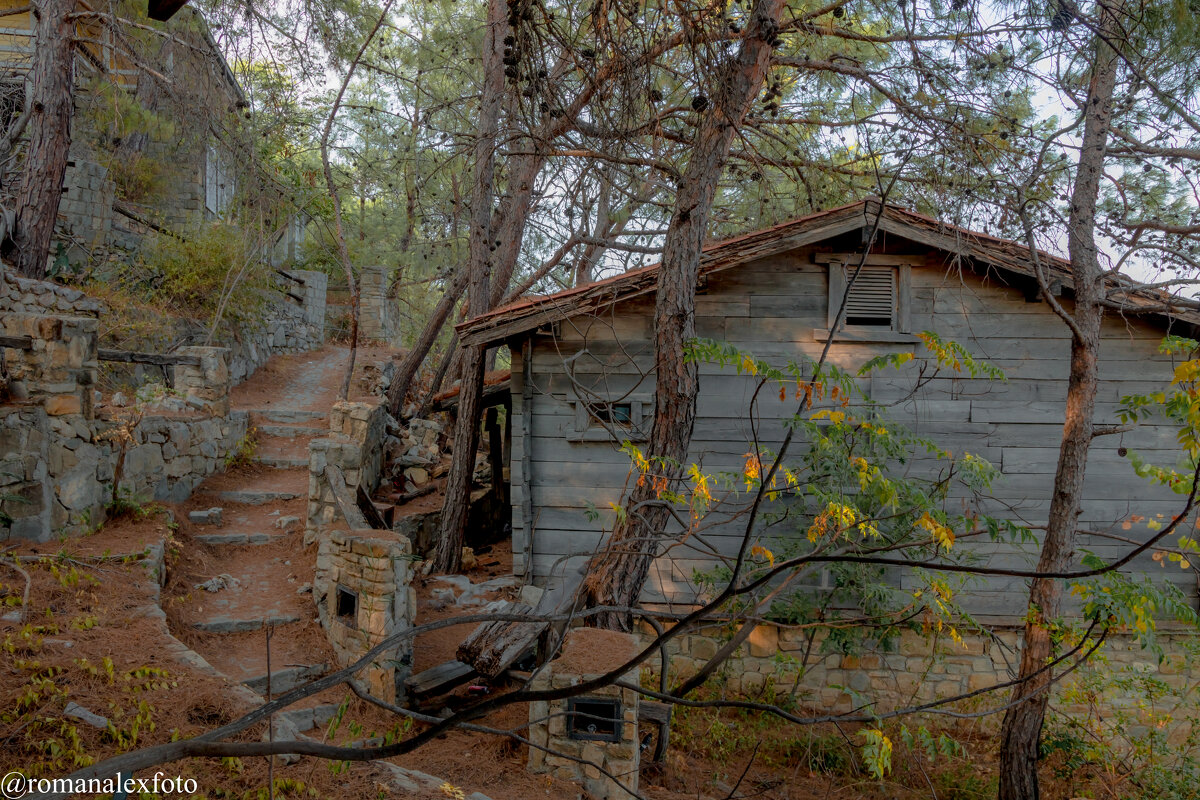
252 573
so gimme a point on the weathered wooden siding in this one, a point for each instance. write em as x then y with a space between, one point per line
771 308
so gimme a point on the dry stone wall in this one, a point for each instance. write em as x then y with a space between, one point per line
27 296
379 314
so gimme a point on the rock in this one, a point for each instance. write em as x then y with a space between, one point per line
530 594
209 516
441 597
283 730
417 475
459 583
305 589
468 558
119 400
283 523
222 581
80 713
477 594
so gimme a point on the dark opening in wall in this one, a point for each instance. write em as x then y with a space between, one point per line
347 606
594 718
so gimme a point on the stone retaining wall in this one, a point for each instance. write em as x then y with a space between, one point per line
20 295
59 459
290 326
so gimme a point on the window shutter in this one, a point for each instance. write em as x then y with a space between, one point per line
871 300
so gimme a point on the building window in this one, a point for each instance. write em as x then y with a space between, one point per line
876 297
616 421
218 182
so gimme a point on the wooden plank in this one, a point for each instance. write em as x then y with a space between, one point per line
158 359
438 680
370 512
873 260
345 499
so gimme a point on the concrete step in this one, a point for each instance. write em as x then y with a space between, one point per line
238 538
287 415
223 624
305 719
290 431
258 497
282 462
286 679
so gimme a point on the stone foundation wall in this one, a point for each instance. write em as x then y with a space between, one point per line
86 206
916 670
375 569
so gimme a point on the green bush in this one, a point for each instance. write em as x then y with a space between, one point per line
191 276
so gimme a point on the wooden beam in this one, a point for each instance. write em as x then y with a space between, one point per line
17 342
438 680
494 646
157 359
345 500
873 260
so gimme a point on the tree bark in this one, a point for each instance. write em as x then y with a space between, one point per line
40 190
447 555
617 574
1023 722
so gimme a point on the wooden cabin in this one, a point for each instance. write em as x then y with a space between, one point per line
582 382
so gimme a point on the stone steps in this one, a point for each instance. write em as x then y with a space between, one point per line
287 415
238 538
290 431
281 462
258 497
305 719
224 624
286 679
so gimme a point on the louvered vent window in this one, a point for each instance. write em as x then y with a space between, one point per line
871 299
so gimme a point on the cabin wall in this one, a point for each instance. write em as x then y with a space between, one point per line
775 308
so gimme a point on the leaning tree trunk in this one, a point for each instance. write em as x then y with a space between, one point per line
616 574
45 166
447 556
1023 722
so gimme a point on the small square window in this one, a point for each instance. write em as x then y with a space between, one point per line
347 606
611 413
594 718
615 421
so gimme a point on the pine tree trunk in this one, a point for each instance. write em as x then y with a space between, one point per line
1022 727
617 574
45 165
447 555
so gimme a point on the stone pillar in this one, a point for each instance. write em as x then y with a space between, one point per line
316 284
59 369
363 593
599 727
377 313
208 384
355 446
